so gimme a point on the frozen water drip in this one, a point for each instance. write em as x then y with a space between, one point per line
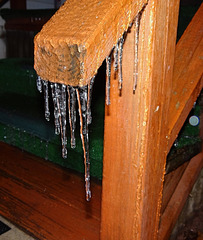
120 80
39 84
115 51
72 113
62 119
89 99
108 79
56 109
136 44
59 96
46 99
82 93
83 96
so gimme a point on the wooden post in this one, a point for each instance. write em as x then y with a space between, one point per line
135 137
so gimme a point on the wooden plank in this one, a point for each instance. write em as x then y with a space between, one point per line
171 181
177 201
73 44
135 140
23 165
46 200
187 78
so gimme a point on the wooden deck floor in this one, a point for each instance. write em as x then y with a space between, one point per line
45 200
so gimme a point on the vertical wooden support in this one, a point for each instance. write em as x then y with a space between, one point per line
135 137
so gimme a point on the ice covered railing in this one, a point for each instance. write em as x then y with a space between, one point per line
68 52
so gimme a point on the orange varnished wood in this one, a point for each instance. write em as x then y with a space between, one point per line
179 197
171 181
73 44
135 137
46 200
187 77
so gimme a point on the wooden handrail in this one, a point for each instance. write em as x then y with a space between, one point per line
73 44
69 50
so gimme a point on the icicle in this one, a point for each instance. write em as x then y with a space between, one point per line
108 78
136 37
62 120
56 109
59 100
120 81
46 99
116 57
39 84
89 98
82 105
72 113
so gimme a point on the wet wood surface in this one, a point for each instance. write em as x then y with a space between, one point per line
45 200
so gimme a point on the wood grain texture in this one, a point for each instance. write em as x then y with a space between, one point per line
46 200
171 181
187 77
179 197
73 44
135 133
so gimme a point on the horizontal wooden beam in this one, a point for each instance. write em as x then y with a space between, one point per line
187 77
73 44
179 197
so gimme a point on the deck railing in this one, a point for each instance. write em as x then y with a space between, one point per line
143 117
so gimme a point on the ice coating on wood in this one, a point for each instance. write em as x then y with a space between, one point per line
89 99
62 118
82 94
46 99
136 44
75 36
39 84
72 113
59 101
116 57
136 39
121 42
108 79
54 93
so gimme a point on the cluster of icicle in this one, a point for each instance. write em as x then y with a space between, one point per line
59 94
117 55
83 97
